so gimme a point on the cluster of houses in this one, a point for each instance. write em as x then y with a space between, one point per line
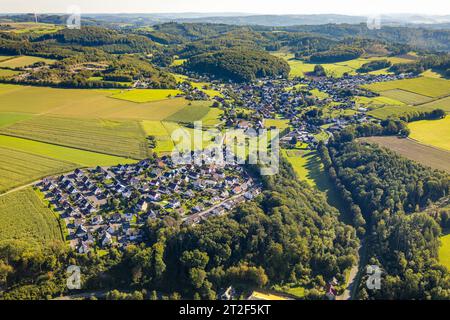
107 206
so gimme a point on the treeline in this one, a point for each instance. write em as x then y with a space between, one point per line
288 236
374 65
385 193
440 63
336 55
238 65
108 40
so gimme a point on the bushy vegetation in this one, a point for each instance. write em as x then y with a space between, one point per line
336 55
239 65
374 65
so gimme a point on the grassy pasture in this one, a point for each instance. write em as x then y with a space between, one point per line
443 104
337 69
308 167
194 112
80 157
426 155
430 87
38 28
18 168
212 118
280 124
392 111
84 103
24 217
164 143
3 58
146 95
119 138
444 251
8 73
377 101
24 61
435 133
406 96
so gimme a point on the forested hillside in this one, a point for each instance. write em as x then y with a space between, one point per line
239 65
386 194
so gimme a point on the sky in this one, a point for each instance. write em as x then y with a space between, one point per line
351 7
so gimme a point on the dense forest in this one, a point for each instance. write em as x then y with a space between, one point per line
386 194
239 65
288 236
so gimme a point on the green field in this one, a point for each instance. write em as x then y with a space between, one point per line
435 133
119 138
18 168
160 131
444 251
146 95
3 58
309 168
24 61
429 87
77 156
443 104
24 217
280 124
377 101
406 96
8 73
84 103
299 68
38 28
7 119
393 111
192 113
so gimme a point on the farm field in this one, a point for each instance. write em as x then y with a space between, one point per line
377 101
8 73
435 133
393 111
337 69
24 217
80 157
7 119
406 96
444 251
38 28
3 58
18 168
443 104
429 87
280 124
119 138
23 61
426 155
194 112
163 130
309 168
146 95
84 103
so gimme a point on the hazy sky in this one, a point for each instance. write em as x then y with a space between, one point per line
367 7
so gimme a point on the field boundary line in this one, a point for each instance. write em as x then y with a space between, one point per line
428 145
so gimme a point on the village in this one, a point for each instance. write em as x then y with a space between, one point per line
108 206
286 99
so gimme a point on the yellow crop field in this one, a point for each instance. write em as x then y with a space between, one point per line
435 133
